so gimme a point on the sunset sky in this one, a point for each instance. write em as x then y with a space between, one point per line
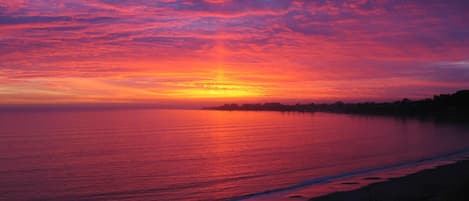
214 51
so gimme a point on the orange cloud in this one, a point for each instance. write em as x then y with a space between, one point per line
204 51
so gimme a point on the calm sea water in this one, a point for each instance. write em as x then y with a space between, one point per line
199 155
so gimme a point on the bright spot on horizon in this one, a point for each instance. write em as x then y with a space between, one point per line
184 52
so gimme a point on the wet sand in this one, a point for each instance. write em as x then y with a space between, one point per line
443 183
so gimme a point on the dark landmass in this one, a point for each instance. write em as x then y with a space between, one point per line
456 104
444 183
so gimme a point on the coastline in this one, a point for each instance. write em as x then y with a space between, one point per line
448 182
440 107
392 183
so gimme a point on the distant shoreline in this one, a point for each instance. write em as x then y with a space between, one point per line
454 105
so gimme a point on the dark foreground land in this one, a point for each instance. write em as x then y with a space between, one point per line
444 183
454 105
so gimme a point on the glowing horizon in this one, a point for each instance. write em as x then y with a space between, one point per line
181 51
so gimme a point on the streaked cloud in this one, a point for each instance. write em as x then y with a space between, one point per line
118 51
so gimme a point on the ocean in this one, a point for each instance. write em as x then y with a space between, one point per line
153 154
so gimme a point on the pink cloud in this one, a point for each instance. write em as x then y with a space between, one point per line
277 48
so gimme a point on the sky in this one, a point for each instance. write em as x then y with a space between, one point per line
174 52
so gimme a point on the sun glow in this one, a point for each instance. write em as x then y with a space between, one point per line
221 87
210 51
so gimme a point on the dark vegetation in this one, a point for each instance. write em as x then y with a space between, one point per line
456 104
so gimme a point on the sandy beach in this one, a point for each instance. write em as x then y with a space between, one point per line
443 183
